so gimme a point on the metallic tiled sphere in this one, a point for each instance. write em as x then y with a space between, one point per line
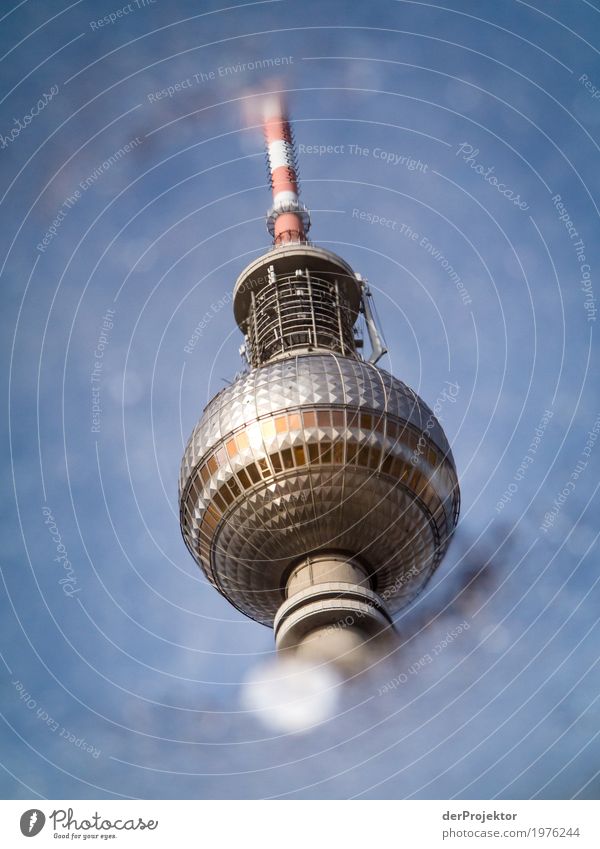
312 453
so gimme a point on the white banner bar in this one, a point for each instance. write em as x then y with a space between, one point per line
302 824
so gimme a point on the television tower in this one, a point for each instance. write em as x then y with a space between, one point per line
318 493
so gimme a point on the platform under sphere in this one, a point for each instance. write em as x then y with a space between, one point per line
317 452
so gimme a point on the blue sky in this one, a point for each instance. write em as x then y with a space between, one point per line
150 205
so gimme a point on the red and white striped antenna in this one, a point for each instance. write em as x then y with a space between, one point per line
288 220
